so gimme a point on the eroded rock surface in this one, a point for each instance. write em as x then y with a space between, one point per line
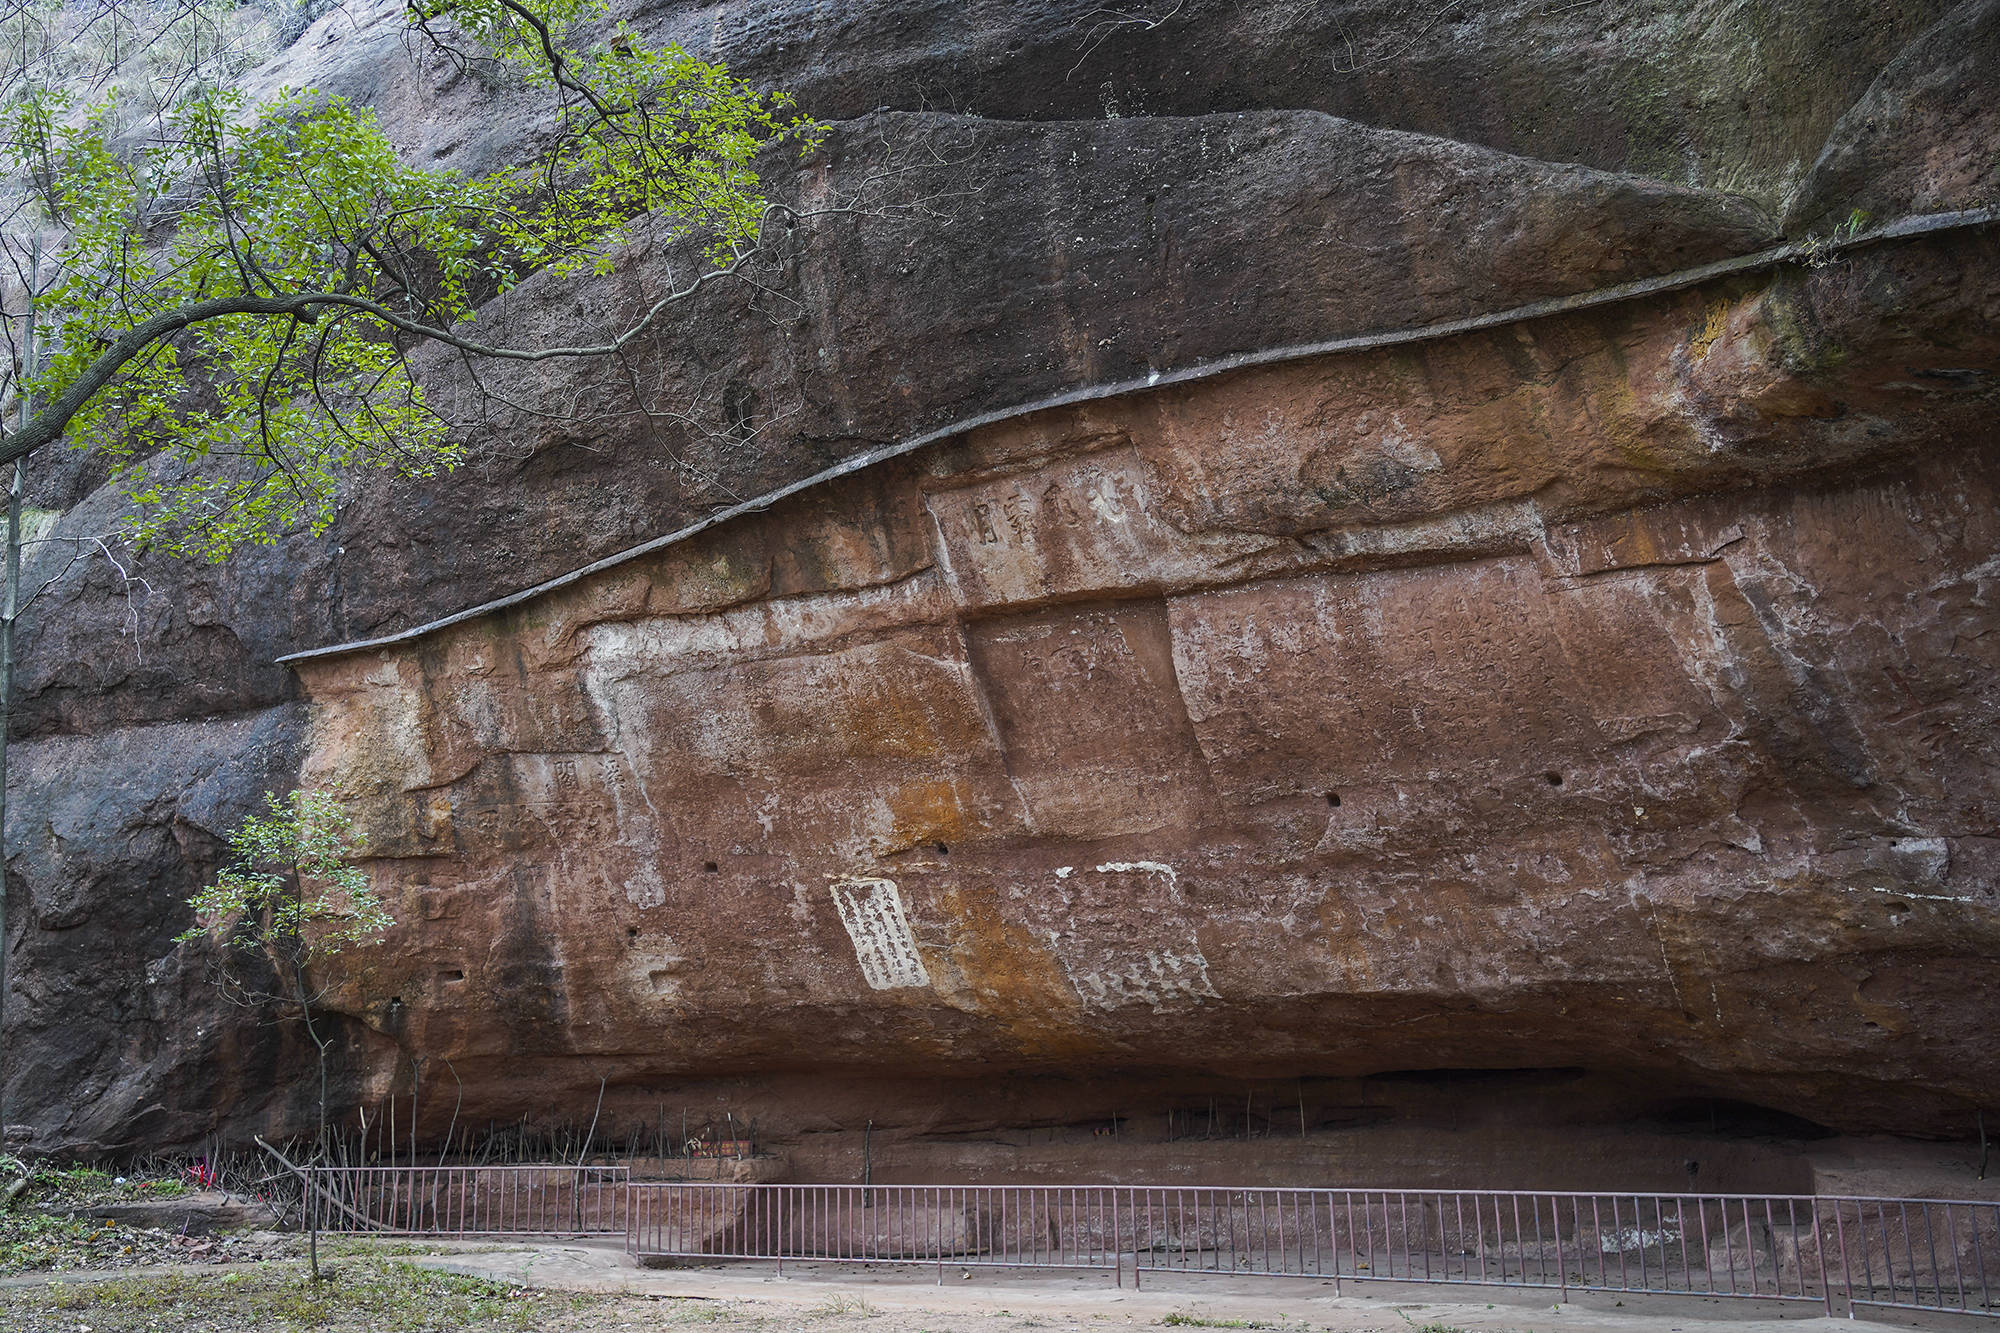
1606 690
1087 742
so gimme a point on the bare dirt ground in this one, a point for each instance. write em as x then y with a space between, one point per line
592 1288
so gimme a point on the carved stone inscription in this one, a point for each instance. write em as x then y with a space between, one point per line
1074 526
1160 980
872 911
1090 716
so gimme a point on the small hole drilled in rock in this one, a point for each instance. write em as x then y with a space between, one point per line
943 850
1553 779
1333 799
710 866
453 974
631 932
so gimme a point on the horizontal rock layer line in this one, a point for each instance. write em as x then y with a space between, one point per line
1812 248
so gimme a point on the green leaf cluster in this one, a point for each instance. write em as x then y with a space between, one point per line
292 882
315 258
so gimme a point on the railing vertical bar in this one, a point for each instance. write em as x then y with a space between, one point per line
1867 1260
1819 1252
1541 1245
1333 1240
1520 1244
1770 1247
1479 1226
1117 1250
1728 1244
1909 1252
1957 1267
1847 1263
1438 1200
1979 1260
1639 1231
1181 1225
1409 1259
1618 1235
1403 1201
1263 1223
1458 1255
1799 1253
1749 1245
1556 1231
1284 1255
1680 1235
1229 1200
1319 1259
1930 1243
1576 1229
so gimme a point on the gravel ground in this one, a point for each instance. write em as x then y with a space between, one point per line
61 1244
373 1295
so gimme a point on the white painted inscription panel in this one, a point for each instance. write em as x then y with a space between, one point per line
872 911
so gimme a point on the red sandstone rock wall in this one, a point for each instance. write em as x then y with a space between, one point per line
1598 691
1718 560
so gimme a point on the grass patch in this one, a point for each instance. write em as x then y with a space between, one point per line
50 1184
358 1295
838 1307
1180 1319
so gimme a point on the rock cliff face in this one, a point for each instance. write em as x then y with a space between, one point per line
1604 686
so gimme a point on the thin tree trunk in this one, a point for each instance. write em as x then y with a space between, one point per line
10 603
305 1012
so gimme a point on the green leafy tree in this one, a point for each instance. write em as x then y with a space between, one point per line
231 294
231 306
291 884
291 895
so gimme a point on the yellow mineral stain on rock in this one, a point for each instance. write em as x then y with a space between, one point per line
923 812
1714 321
997 969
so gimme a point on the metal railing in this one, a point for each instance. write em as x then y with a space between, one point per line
1924 1254
1915 1254
468 1200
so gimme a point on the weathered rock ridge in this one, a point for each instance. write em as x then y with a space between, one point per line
1608 691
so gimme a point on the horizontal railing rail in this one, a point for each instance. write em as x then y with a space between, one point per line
1925 1254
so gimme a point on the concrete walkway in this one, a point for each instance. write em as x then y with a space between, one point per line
602 1267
